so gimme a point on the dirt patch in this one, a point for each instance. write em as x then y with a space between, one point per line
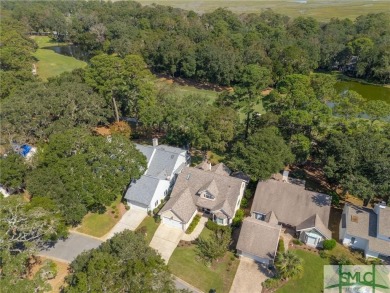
62 271
189 82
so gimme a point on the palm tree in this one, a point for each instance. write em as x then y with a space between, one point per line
289 265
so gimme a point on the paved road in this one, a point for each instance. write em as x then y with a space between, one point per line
130 220
165 240
68 249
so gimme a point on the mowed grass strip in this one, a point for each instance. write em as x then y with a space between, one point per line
150 226
50 63
313 275
184 263
98 225
321 10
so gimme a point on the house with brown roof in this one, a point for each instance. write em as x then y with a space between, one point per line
291 205
258 240
367 229
207 189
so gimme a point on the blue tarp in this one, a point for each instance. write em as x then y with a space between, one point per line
25 149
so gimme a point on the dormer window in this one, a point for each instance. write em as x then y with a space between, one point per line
259 216
207 195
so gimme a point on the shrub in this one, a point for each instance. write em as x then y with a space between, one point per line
335 198
141 230
297 242
244 203
272 283
157 218
323 254
343 260
127 207
149 213
211 225
193 224
329 244
281 245
238 218
248 194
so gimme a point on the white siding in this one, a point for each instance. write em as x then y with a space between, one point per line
159 193
243 185
314 234
254 257
180 160
172 223
137 206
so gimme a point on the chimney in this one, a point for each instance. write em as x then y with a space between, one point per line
285 176
377 207
209 166
155 142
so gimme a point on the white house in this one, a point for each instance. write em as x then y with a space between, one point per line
207 189
367 229
164 164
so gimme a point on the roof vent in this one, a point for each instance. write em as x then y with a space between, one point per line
354 219
188 176
382 205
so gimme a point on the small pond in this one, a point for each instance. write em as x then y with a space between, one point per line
368 91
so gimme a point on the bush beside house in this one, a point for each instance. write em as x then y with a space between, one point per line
193 224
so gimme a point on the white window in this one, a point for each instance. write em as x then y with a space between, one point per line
156 203
219 221
353 240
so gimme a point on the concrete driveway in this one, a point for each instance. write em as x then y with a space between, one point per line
165 240
67 250
130 220
249 276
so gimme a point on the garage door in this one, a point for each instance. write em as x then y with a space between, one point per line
172 223
254 257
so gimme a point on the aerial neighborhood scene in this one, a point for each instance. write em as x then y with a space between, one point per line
195 146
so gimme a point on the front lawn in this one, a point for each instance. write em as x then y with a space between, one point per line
184 263
150 226
313 275
98 225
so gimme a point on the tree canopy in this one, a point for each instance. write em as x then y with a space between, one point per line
83 172
121 264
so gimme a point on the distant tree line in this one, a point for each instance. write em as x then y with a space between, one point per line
214 46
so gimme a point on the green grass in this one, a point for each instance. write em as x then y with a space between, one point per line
313 276
100 224
321 10
51 64
184 263
151 226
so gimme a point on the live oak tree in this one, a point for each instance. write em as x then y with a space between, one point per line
37 110
83 172
127 83
124 263
358 162
25 228
264 153
13 170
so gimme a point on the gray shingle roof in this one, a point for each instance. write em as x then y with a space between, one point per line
292 204
226 190
315 222
142 190
259 238
384 221
364 225
161 163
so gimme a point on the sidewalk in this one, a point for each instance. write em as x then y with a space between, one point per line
198 229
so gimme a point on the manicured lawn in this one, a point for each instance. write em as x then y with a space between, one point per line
50 63
313 276
100 224
184 263
151 226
